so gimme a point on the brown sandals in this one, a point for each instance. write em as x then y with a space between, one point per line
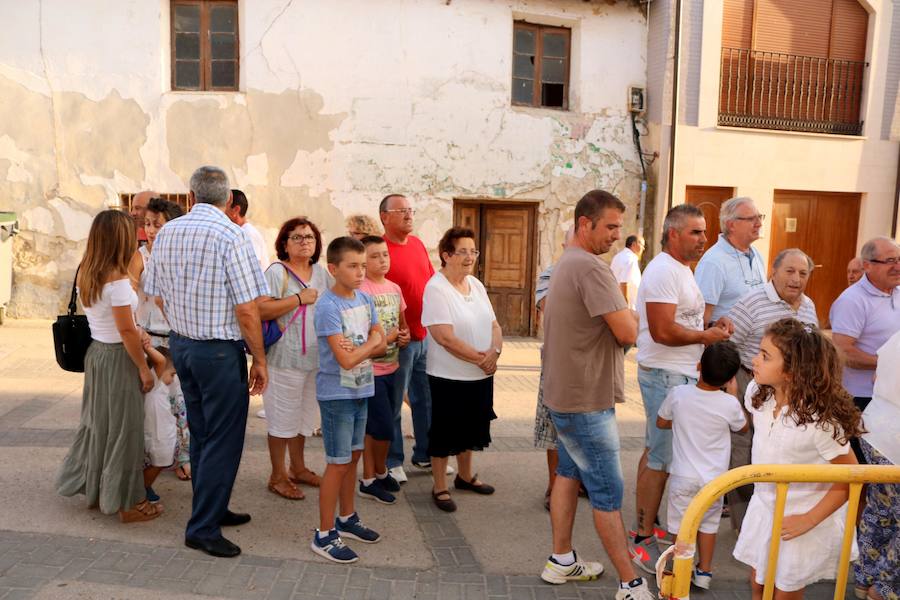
142 511
286 490
307 477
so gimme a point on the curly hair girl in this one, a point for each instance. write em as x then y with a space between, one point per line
812 369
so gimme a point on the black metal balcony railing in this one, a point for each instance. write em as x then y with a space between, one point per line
773 90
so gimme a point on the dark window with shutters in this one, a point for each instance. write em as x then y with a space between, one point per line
540 70
205 45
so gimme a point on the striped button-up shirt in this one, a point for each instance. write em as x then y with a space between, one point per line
203 265
759 309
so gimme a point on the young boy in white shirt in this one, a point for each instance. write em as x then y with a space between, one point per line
702 417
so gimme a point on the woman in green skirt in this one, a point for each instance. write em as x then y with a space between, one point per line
106 460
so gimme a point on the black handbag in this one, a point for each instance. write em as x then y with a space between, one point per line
71 336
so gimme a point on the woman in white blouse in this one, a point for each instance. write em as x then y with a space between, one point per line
464 343
106 461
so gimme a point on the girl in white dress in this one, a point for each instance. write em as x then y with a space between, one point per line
801 415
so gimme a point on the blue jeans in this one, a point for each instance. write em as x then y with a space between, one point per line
588 446
213 375
655 385
411 378
343 428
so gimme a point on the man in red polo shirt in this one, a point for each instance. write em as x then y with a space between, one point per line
410 269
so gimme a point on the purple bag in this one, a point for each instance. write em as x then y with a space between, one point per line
271 332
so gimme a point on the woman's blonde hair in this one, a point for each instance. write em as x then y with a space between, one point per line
363 224
110 246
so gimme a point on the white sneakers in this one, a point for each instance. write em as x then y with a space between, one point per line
556 573
399 474
638 592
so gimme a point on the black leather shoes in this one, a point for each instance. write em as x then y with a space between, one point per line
220 547
482 488
232 519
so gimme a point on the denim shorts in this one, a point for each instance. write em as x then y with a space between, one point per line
343 428
655 385
588 445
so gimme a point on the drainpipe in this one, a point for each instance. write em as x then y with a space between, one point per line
676 68
896 201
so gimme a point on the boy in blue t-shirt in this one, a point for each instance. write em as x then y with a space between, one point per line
349 336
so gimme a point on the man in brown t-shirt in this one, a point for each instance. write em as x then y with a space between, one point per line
587 324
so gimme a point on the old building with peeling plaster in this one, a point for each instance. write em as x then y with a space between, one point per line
336 105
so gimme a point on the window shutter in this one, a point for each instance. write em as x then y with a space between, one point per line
737 24
799 27
849 30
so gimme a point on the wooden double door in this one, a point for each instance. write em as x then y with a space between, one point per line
824 225
505 233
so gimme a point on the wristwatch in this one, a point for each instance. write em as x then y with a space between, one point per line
497 350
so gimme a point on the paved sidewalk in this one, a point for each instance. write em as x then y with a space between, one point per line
493 547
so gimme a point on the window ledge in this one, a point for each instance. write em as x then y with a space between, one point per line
829 136
538 110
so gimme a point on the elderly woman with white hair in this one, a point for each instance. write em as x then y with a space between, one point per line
732 267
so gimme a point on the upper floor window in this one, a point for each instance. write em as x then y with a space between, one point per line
205 48
796 66
540 74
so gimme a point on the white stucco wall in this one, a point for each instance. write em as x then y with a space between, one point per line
340 103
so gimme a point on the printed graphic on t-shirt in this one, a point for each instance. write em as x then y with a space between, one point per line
388 307
690 314
355 323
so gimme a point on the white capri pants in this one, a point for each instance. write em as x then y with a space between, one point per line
290 403
160 430
681 491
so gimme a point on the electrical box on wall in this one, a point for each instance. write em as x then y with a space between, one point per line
636 99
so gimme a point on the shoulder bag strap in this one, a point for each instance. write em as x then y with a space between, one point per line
74 295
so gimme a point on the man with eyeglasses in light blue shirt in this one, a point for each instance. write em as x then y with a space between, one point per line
732 267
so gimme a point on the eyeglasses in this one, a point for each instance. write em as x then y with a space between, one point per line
752 219
473 253
306 237
405 211
895 260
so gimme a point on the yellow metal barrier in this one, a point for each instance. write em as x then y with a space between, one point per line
677 583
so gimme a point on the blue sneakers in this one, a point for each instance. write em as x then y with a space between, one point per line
376 492
355 529
389 483
152 497
333 548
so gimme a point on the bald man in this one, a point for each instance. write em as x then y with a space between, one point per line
854 270
138 209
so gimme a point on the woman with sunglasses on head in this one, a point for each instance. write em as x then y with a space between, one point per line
295 283
464 343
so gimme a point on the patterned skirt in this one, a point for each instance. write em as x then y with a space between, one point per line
878 535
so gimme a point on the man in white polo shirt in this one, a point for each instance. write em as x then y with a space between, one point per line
670 341
626 266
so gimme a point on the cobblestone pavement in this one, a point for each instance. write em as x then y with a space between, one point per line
43 556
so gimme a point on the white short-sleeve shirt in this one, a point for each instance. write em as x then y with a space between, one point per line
99 314
779 440
667 281
702 422
626 267
472 318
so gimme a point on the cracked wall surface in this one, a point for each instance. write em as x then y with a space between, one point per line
336 108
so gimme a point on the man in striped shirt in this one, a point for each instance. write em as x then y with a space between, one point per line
781 297
205 271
